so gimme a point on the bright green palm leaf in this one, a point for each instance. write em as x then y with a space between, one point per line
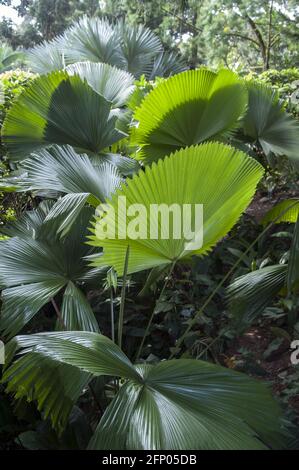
267 122
215 175
249 295
187 109
113 84
178 404
284 211
59 109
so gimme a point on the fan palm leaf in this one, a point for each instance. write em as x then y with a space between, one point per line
284 211
113 84
187 109
215 175
268 123
94 40
249 295
178 404
59 109
46 57
139 45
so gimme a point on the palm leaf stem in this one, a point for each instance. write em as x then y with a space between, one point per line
122 299
154 310
58 313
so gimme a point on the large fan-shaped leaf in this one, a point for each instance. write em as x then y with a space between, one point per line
284 211
178 404
138 45
46 57
91 352
113 84
267 122
188 404
59 109
215 175
95 40
62 169
187 109
250 294
34 270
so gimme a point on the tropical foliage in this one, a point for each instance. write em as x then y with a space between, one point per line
85 132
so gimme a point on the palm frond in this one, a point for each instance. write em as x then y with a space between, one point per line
267 122
113 84
179 404
250 294
46 57
187 109
284 211
59 109
217 176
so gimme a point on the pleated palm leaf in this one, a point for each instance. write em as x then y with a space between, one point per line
175 405
60 109
187 109
166 64
268 123
35 265
215 175
139 46
113 84
134 48
74 177
250 294
46 57
93 39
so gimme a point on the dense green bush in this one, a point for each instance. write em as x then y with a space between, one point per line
11 85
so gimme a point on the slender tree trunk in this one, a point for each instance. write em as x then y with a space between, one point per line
194 49
269 39
259 38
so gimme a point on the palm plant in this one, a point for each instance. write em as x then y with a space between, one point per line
135 49
178 404
62 132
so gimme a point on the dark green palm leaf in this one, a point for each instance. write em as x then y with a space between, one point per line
267 122
59 109
178 404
